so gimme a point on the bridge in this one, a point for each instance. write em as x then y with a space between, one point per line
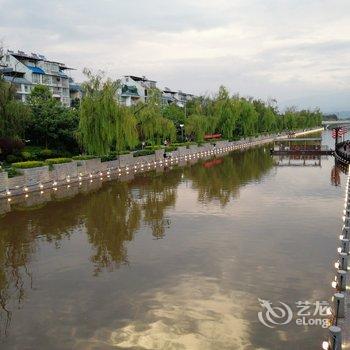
335 123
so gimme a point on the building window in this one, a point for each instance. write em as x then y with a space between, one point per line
46 79
36 78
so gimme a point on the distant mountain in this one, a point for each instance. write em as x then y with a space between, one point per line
338 103
343 114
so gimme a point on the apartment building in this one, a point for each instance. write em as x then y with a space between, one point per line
177 97
26 70
135 89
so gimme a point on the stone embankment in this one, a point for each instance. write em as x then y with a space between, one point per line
41 178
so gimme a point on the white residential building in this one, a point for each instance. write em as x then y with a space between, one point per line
178 97
135 89
182 98
26 70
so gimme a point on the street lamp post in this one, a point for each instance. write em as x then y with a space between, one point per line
182 131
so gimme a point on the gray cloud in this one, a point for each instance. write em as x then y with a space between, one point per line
286 49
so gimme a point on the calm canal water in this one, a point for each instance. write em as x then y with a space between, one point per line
173 260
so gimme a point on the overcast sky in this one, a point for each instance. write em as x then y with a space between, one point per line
293 50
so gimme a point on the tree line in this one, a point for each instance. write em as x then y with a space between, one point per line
100 124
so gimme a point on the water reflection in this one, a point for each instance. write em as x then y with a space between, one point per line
221 180
137 273
110 215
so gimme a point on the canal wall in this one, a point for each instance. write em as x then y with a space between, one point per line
38 179
339 330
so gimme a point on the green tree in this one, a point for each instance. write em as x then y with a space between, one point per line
14 115
152 126
196 127
104 124
52 124
174 113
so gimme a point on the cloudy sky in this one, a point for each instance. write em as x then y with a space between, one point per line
297 51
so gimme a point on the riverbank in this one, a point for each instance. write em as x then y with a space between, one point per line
43 178
339 335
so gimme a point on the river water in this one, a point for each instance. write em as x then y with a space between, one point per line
175 259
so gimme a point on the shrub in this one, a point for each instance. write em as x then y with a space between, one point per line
143 152
108 158
11 158
154 147
10 146
171 148
12 172
27 165
27 156
81 157
53 161
113 156
46 153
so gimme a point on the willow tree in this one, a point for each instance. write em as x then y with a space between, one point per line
196 126
152 126
104 124
14 115
125 129
226 110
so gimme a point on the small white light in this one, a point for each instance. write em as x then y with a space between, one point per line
339 250
8 193
25 189
80 183
41 186
90 176
336 265
334 284
68 186
325 345
55 188
9 199
79 178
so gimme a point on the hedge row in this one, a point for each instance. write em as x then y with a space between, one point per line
36 163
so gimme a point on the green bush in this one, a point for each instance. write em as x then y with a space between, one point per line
171 148
82 157
53 161
154 147
27 165
143 152
11 158
27 156
46 153
12 172
113 156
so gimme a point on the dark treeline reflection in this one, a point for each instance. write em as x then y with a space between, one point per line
222 180
110 217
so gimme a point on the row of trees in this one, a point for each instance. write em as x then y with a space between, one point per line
234 117
101 125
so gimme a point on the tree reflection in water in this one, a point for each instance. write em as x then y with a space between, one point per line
111 216
222 182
